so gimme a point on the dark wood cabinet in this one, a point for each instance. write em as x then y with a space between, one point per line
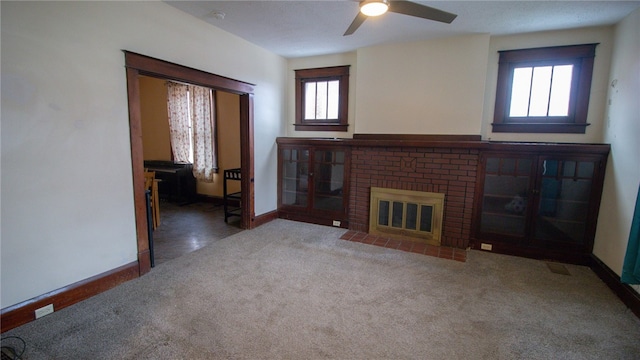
313 181
177 182
539 202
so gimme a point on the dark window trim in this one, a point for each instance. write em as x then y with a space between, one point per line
340 73
581 56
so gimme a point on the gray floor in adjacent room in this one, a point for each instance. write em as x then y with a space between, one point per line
188 227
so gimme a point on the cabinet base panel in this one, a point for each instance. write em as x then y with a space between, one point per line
569 257
313 219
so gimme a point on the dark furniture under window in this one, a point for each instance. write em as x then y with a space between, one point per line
539 202
177 182
313 182
232 200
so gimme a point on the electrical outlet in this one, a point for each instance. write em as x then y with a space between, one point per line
45 310
336 223
487 247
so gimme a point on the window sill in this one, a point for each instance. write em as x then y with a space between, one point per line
540 128
321 127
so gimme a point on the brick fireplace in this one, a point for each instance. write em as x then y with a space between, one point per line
443 168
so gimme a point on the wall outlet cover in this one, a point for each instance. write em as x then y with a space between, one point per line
45 310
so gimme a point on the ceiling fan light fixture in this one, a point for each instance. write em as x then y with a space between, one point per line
374 7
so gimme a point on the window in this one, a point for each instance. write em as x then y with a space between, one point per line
322 97
191 111
544 90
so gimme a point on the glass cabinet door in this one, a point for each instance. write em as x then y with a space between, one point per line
328 179
295 177
505 199
564 194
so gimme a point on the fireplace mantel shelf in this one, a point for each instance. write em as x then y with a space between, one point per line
447 141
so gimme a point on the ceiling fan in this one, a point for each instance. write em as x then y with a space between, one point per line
379 7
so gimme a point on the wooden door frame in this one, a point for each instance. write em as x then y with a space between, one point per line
137 65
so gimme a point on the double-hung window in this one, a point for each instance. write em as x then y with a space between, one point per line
544 90
322 97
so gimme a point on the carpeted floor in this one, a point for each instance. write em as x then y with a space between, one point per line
289 290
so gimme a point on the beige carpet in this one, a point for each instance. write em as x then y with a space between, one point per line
290 290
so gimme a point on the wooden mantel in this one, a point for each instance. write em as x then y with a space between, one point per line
449 141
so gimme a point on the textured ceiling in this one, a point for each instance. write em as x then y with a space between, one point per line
308 28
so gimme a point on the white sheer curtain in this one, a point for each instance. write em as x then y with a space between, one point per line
204 154
192 127
179 121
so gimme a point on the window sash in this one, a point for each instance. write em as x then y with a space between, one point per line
580 57
321 100
540 91
313 88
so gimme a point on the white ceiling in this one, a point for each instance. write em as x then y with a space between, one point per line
309 28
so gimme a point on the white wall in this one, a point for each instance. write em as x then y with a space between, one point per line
428 87
447 86
622 131
67 209
597 101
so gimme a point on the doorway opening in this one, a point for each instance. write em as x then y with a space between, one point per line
139 65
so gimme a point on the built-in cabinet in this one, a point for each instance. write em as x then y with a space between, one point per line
541 204
538 200
313 182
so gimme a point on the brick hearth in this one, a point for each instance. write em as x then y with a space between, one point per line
443 252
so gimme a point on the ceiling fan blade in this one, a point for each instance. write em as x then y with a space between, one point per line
360 18
421 11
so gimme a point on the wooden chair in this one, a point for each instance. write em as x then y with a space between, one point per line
151 183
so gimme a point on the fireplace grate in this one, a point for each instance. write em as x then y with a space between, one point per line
412 215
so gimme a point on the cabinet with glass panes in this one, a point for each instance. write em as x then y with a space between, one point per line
313 182
539 204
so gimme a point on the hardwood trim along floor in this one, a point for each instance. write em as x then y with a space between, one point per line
264 218
24 312
625 292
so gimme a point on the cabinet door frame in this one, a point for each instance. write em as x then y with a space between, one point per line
593 203
281 161
309 213
512 240
528 245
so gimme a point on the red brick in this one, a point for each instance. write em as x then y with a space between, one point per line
419 248
380 241
432 250
451 156
393 243
349 234
433 156
446 252
369 239
460 257
460 151
406 246
441 161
